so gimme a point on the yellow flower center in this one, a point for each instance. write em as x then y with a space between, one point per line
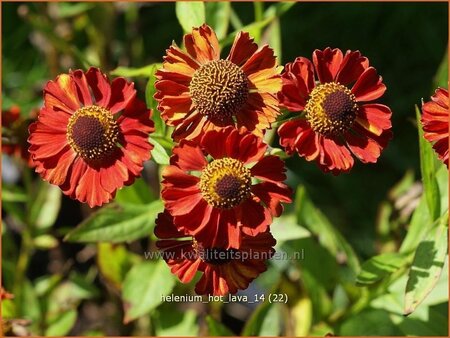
331 109
92 132
225 183
219 89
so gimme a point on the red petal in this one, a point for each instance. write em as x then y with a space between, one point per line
261 59
336 156
375 118
272 195
242 49
270 168
61 94
288 133
364 148
100 86
298 82
307 143
327 63
353 65
188 156
253 217
369 86
89 189
122 92
202 44
82 86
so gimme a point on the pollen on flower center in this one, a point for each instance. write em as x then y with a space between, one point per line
225 183
219 89
92 132
331 109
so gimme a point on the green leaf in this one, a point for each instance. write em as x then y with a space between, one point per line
190 14
285 228
45 242
150 90
217 329
12 193
170 323
114 261
428 170
62 324
329 237
145 71
418 227
144 286
159 154
137 193
370 321
67 10
218 17
264 321
45 207
378 267
27 305
117 223
427 266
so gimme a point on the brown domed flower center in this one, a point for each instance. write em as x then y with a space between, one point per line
219 89
331 109
225 183
92 132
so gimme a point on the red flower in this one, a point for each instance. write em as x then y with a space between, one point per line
223 270
91 137
339 120
197 91
435 120
219 200
15 134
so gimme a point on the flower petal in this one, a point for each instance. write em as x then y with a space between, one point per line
99 85
327 63
353 65
242 49
269 168
374 117
202 44
188 156
369 86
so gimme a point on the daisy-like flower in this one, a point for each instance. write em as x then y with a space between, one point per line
335 94
223 270
91 137
435 117
197 91
14 133
224 187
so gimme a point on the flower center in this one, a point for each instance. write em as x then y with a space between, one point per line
92 132
219 89
331 109
225 183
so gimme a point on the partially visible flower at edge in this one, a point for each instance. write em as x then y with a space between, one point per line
340 118
223 270
435 122
91 137
15 134
197 91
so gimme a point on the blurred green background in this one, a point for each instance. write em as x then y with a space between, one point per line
406 42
